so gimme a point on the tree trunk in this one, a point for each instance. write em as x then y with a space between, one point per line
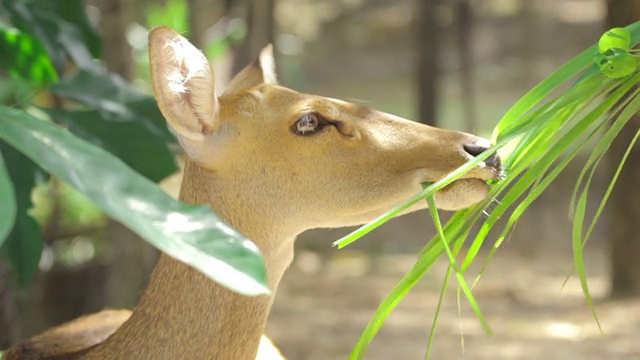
116 17
464 39
529 51
261 25
10 333
624 206
428 46
196 27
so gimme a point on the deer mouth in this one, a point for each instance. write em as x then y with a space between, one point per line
488 171
471 188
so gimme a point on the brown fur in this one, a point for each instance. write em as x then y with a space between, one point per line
70 340
246 161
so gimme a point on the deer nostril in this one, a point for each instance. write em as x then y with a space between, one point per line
474 149
477 149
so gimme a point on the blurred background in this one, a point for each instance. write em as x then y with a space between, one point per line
451 63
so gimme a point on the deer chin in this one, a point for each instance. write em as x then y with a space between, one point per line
462 194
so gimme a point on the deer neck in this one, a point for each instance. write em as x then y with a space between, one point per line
183 314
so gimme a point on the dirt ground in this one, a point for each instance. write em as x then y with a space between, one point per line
323 305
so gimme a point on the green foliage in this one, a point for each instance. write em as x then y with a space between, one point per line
235 33
25 57
545 136
44 38
73 212
173 13
60 36
23 245
8 200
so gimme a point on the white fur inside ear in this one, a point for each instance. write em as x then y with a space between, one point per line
189 87
188 62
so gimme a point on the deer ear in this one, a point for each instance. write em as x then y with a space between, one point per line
261 71
183 84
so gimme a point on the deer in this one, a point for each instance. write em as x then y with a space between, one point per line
271 162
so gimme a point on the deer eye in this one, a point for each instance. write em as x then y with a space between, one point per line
307 124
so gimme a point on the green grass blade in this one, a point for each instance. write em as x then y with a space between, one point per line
389 303
532 98
434 323
578 258
462 282
632 109
524 204
599 150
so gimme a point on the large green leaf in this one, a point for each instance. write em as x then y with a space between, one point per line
190 233
7 202
124 137
23 245
109 93
24 56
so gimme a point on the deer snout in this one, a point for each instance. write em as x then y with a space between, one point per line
476 148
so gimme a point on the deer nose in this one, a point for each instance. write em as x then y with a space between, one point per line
478 148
